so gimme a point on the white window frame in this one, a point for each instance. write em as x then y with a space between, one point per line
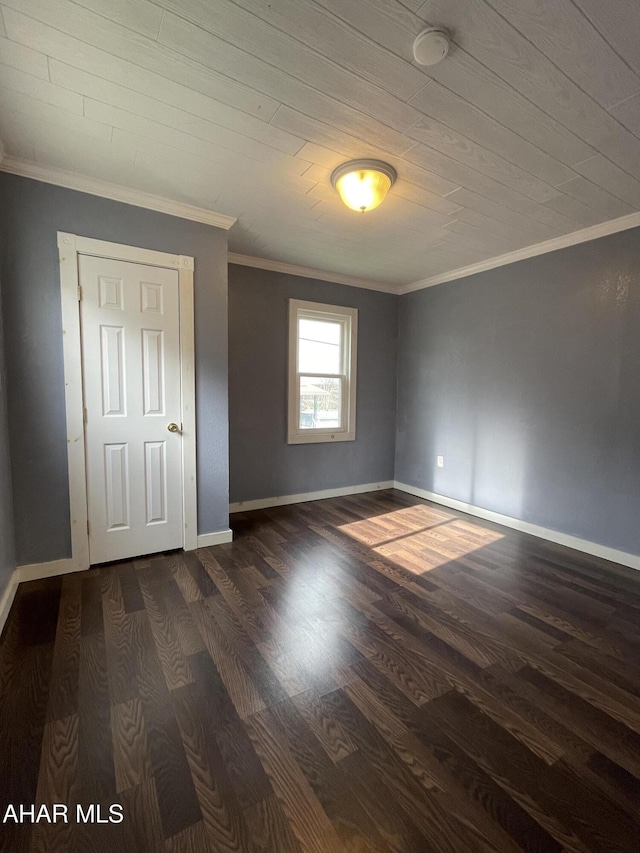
348 318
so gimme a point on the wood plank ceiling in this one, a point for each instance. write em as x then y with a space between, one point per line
529 129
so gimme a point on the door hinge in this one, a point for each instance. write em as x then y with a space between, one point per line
79 294
84 414
88 528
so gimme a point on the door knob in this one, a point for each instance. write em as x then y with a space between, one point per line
173 428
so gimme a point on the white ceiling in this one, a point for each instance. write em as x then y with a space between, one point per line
528 130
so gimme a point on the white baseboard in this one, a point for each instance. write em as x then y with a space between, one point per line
7 599
37 571
33 572
206 540
632 561
283 500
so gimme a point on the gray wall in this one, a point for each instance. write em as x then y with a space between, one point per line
527 380
262 464
30 215
7 552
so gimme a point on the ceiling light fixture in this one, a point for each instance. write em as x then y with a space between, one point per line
363 184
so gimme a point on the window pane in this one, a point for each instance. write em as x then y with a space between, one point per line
319 346
320 402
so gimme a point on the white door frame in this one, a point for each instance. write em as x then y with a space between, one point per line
69 247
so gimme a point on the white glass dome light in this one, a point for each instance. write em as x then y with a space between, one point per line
363 184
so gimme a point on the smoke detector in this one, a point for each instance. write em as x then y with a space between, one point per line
431 46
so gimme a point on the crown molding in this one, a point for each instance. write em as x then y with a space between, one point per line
309 272
137 198
593 232
115 192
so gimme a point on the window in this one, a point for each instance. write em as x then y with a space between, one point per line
322 372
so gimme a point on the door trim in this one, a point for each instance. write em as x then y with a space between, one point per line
69 247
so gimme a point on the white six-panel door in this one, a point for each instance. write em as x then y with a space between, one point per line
130 325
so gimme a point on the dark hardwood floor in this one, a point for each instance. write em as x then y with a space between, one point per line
368 673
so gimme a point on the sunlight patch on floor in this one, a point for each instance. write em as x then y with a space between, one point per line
420 538
392 525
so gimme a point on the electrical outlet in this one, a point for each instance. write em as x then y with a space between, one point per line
440 461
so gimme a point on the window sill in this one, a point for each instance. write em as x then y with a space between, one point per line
320 437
